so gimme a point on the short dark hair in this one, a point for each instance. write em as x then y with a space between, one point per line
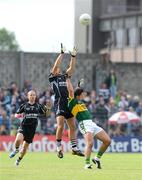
78 91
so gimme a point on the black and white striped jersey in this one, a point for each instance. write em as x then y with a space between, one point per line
59 85
31 112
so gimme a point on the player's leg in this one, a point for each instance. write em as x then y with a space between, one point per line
18 141
22 152
105 139
59 132
72 137
89 137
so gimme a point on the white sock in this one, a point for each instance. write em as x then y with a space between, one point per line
17 150
75 149
59 148
97 159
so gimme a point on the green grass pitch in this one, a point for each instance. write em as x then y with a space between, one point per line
46 166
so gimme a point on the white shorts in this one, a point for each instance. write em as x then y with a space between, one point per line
89 126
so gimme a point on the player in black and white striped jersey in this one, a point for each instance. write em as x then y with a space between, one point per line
59 86
30 111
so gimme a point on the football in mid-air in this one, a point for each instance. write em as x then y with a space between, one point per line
85 19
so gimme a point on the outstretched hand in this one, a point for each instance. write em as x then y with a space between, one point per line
81 83
63 49
73 53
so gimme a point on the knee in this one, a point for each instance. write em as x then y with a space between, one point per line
23 150
107 141
89 145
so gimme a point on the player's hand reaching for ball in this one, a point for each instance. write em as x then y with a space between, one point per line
81 83
73 53
63 49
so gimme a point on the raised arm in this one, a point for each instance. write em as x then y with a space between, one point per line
56 67
70 88
73 54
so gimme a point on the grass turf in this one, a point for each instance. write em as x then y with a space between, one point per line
46 166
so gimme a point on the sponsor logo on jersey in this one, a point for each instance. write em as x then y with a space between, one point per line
62 84
31 115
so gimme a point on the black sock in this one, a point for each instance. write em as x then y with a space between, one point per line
19 159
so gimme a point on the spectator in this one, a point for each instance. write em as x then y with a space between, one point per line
13 88
15 123
92 108
104 91
131 109
135 102
139 109
111 82
6 101
27 86
123 103
93 95
101 113
50 127
99 109
112 107
3 130
4 123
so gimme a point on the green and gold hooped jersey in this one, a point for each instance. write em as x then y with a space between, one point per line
78 109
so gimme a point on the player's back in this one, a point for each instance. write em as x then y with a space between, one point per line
59 86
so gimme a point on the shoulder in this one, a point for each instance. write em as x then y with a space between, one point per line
23 105
40 105
52 77
73 100
21 108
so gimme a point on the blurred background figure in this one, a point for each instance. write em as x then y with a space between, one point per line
101 113
111 82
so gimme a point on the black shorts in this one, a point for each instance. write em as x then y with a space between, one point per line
61 108
28 132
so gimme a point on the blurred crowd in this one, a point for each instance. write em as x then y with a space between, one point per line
102 105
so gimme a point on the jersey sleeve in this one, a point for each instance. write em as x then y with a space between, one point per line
21 109
51 77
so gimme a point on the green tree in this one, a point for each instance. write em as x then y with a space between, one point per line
8 41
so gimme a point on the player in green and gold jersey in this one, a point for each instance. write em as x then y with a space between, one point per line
86 126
